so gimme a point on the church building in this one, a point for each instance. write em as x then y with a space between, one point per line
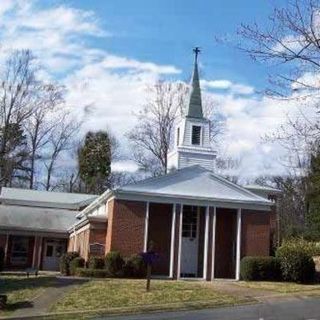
200 224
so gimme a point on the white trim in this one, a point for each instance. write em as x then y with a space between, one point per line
196 201
34 252
206 237
146 224
40 253
173 227
6 249
238 244
214 223
180 240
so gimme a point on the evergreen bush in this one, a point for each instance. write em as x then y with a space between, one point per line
96 263
260 268
114 263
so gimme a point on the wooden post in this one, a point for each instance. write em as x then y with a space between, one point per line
148 276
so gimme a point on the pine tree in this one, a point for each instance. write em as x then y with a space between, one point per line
313 198
95 161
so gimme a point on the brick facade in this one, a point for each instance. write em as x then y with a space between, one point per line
159 232
255 237
126 224
226 235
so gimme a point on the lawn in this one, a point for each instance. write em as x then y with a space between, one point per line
121 295
20 290
281 287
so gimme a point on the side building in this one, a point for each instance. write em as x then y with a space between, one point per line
34 226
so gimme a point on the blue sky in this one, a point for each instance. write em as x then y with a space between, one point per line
164 31
107 53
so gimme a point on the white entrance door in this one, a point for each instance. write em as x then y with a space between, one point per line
189 242
52 252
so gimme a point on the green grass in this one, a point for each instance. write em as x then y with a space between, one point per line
20 290
280 287
121 295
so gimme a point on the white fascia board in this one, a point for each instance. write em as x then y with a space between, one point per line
220 203
40 204
36 231
94 204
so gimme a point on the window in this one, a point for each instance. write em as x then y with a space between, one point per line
196 135
19 252
178 136
189 222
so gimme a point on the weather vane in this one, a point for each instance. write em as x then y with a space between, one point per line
196 51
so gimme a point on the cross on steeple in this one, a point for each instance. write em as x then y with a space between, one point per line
196 51
195 105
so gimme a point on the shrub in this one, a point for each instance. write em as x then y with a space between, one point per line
296 264
134 267
65 262
260 268
75 263
92 273
96 263
114 263
310 247
1 258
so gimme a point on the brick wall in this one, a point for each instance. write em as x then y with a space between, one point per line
226 235
159 232
125 231
255 236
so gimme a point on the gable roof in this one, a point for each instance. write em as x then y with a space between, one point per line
48 199
194 182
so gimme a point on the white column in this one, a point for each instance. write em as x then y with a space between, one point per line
34 252
146 224
180 240
206 237
75 239
238 244
173 229
214 223
6 249
40 255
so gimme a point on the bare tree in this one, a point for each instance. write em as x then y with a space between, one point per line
40 124
18 101
292 38
59 140
152 136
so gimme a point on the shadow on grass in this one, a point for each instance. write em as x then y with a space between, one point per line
21 290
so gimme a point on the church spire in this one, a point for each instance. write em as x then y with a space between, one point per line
195 104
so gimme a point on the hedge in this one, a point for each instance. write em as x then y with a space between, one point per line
114 263
92 273
296 264
260 268
134 267
77 262
65 262
96 263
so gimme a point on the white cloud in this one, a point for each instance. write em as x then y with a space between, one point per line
234 88
106 89
114 62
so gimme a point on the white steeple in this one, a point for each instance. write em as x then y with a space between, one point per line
192 133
